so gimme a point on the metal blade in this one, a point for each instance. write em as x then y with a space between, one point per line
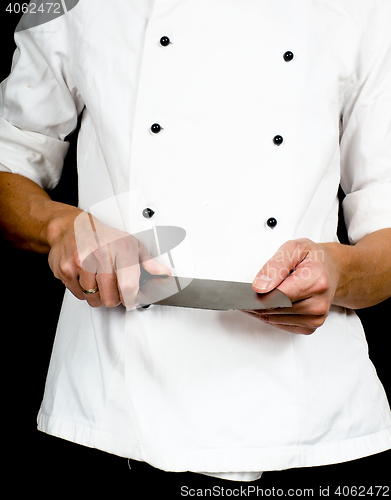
207 294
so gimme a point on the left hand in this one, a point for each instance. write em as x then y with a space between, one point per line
308 273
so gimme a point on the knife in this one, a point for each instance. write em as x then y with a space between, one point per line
206 294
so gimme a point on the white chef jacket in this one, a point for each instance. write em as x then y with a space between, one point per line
201 390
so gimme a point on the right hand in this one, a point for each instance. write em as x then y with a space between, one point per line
86 253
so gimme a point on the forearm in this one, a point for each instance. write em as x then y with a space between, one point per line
364 270
28 216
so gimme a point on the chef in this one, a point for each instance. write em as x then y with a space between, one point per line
237 122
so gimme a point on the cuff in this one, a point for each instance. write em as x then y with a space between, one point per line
367 211
31 154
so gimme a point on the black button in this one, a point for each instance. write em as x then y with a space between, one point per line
148 213
164 41
278 140
156 128
288 56
272 222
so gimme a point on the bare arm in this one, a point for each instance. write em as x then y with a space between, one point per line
364 270
28 215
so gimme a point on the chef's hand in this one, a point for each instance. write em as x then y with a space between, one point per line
86 254
308 274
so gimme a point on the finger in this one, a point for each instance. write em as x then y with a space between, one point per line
87 281
107 281
249 312
311 306
128 285
297 329
108 289
306 321
299 307
72 283
280 266
74 287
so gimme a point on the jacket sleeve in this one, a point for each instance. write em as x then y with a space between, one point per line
39 105
366 133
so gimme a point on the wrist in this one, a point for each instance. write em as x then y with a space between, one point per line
342 261
60 222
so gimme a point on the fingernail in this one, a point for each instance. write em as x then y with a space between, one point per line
262 282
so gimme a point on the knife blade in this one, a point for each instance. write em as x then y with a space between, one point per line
207 294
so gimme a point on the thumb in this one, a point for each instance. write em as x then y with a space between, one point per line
278 268
151 265
263 283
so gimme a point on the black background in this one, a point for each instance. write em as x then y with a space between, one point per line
30 301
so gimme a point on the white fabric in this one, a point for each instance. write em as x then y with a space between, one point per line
235 476
203 390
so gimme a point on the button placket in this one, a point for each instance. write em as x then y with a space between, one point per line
164 42
278 140
155 129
